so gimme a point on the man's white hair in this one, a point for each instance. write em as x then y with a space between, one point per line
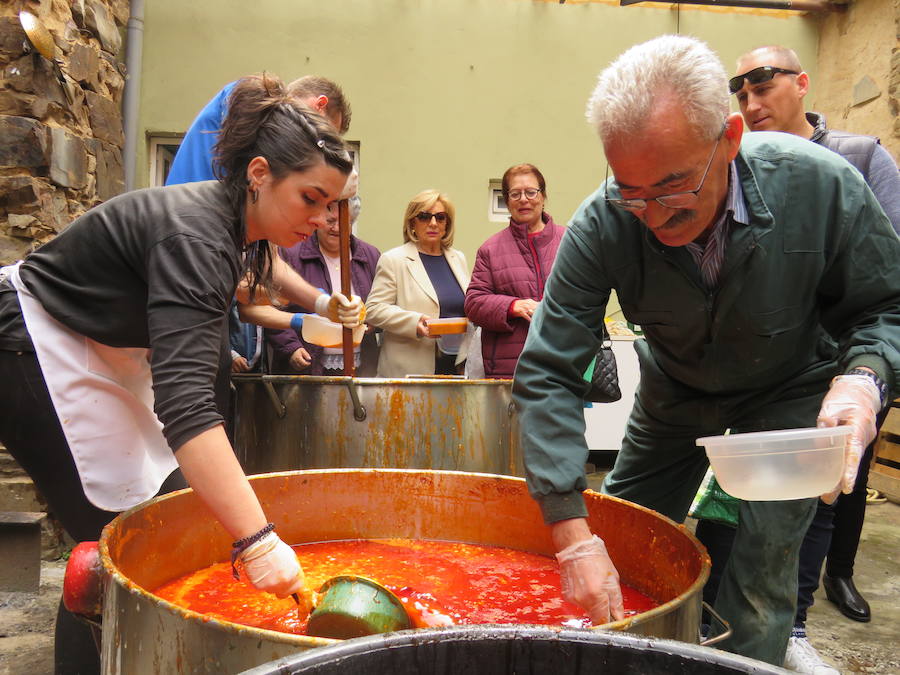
630 88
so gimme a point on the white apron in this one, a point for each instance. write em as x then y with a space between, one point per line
104 400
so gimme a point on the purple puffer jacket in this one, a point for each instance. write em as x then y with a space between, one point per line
508 268
307 260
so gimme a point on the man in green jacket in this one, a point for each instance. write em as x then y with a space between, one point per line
744 261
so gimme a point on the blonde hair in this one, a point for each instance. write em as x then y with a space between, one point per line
423 202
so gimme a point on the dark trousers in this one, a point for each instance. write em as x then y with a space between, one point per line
31 432
833 535
660 467
445 364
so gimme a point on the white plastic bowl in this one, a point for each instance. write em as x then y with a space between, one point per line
320 331
778 465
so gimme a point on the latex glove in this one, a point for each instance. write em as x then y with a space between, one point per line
297 323
590 580
852 400
339 309
272 566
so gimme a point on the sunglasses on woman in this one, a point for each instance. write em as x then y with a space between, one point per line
756 76
425 217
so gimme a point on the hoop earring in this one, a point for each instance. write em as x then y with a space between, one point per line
254 194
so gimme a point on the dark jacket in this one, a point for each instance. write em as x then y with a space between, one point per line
809 289
509 267
153 268
307 260
865 153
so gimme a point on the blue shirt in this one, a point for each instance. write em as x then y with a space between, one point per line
193 161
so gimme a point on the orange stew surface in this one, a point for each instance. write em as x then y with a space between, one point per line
439 583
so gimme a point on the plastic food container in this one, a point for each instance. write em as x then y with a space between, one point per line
320 331
452 324
778 465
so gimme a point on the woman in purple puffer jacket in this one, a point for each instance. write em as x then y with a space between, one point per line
511 268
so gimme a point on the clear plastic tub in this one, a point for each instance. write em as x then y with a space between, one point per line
778 465
320 331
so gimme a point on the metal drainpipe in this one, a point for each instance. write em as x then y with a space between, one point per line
134 41
798 5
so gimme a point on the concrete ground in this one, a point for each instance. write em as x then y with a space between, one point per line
870 648
26 620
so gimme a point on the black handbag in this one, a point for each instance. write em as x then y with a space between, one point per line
605 378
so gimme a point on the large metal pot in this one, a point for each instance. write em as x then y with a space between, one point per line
285 422
175 535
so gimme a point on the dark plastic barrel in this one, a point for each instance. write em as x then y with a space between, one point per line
519 650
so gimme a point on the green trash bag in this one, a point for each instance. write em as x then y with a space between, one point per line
713 503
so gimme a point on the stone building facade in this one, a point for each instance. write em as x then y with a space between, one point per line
60 119
858 82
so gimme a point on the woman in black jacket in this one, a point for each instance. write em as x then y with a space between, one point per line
112 333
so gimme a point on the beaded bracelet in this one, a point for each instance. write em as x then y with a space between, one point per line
242 545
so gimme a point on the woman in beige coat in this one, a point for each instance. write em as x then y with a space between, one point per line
423 279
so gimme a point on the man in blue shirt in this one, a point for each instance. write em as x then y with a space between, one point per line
193 161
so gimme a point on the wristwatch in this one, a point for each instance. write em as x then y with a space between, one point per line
880 384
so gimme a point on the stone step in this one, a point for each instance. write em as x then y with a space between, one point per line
18 493
9 466
20 550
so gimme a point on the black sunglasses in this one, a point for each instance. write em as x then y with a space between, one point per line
425 217
756 76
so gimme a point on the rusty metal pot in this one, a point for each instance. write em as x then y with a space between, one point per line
285 422
175 535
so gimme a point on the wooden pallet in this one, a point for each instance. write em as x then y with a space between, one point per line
884 474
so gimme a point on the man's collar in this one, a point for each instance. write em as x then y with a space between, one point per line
817 120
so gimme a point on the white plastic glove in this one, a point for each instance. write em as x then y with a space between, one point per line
853 400
590 580
339 309
272 566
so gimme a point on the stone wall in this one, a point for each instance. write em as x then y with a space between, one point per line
858 83
60 120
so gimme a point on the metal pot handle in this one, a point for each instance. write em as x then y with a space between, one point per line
83 583
280 409
359 410
722 636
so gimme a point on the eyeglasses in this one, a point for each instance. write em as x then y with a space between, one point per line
756 76
675 200
425 217
529 193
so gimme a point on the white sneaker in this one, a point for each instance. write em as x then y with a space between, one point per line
802 657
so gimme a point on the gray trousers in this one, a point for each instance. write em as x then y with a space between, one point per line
660 467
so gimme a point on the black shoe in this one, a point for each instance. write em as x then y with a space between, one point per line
842 592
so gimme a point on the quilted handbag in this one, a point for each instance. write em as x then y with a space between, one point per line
605 376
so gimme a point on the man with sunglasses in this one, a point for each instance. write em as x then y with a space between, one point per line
745 261
770 87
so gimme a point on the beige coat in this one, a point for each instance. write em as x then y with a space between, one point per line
401 293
